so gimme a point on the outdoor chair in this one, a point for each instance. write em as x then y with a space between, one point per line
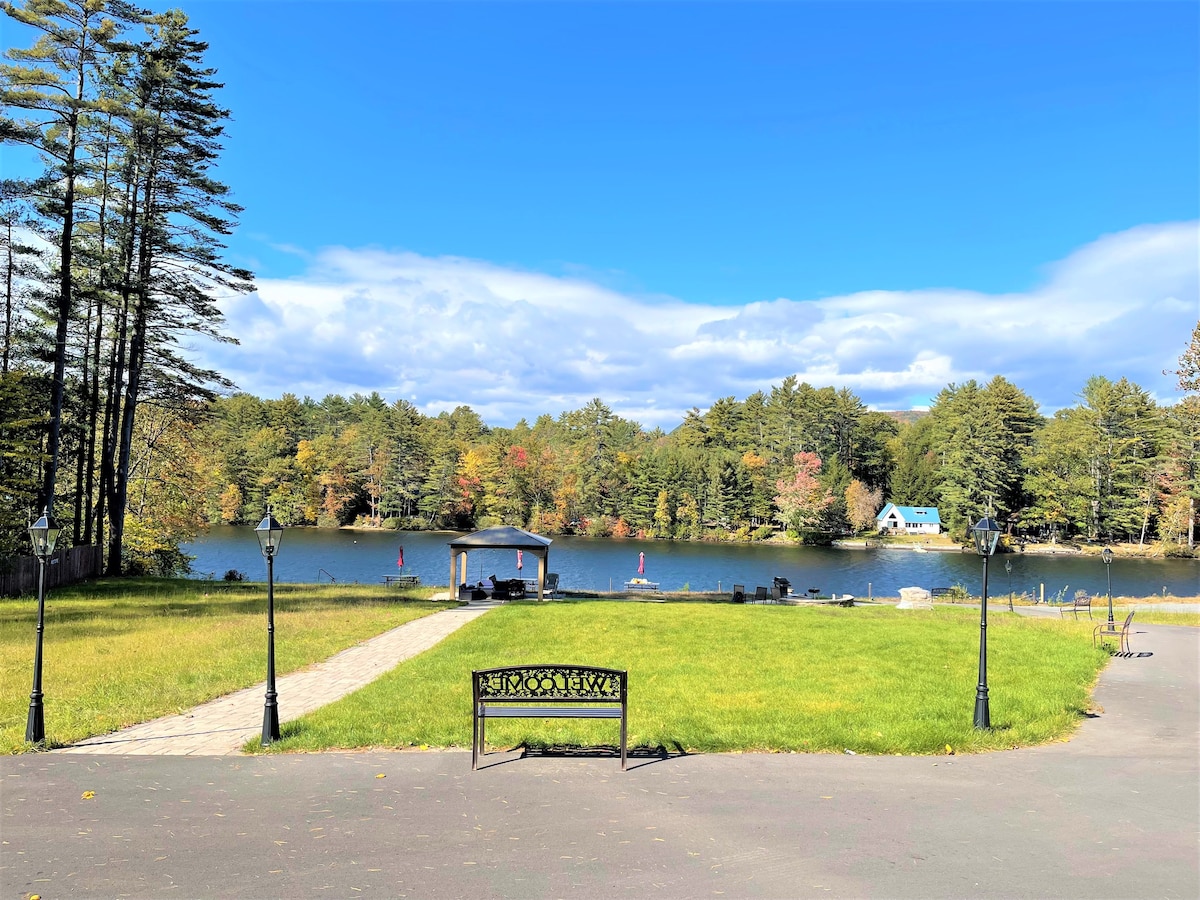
760 594
1120 632
507 590
550 588
776 594
739 593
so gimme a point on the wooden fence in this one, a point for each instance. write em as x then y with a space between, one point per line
20 575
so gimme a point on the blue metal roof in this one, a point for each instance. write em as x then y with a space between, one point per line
912 514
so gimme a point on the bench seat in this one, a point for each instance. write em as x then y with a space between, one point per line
503 711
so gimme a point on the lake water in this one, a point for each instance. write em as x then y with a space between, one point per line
588 564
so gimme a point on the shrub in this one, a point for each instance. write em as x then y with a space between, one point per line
599 527
235 575
957 594
763 533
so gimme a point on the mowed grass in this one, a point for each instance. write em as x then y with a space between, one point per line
1149 616
709 678
125 651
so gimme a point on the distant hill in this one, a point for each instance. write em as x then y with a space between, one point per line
904 416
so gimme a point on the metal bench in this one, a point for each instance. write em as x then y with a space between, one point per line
940 592
651 586
495 693
1082 601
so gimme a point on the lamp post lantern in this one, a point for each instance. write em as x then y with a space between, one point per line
269 534
43 533
1106 554
986 533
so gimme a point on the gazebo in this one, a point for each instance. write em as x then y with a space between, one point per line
502 537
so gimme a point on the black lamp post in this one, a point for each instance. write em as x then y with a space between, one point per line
1008 570
986 533
1106 555
43 533
269 534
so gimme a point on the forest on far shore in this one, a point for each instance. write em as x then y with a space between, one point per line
813 462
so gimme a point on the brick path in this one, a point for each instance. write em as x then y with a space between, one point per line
220 727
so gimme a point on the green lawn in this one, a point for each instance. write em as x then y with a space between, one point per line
126 651
708 677
1149 616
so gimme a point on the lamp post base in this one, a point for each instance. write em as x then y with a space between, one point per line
983 715
35 726
270 730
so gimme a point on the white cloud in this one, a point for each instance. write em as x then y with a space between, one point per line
511 344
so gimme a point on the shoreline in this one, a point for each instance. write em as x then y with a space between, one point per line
942 545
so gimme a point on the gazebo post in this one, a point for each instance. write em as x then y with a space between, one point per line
453 572
541 575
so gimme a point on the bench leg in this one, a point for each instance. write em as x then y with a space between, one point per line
475 741
623 741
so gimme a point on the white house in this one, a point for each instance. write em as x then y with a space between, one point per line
895 519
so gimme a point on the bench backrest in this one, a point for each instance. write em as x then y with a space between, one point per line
549 684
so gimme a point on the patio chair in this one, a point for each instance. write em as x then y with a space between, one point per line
739 593
499 588
760 594
550 588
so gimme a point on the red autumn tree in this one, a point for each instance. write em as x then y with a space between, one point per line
802 497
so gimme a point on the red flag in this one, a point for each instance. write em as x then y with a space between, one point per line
520 560
400 558
641 563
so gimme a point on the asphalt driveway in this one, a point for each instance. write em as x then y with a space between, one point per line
1114 812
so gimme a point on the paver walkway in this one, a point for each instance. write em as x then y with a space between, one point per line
220 727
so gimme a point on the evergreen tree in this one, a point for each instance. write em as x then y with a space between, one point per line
174 223
53 84
1127 435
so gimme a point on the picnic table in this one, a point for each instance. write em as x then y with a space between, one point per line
402 580
651 586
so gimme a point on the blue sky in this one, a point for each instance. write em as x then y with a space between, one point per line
521 206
